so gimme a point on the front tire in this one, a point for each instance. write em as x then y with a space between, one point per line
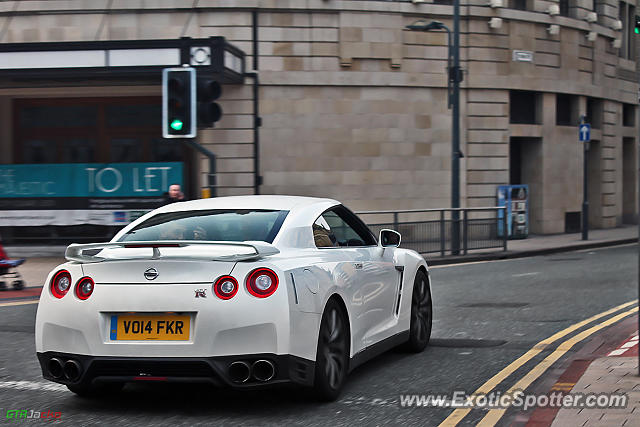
332 358
421 314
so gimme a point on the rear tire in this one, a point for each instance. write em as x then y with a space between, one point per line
421 314
332 358
90 391
18 285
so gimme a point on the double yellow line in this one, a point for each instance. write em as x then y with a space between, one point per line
494 415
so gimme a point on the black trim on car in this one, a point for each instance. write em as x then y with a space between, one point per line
289 369
377 349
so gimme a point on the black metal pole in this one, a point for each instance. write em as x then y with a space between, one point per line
455 133
212 163
585 196
257 120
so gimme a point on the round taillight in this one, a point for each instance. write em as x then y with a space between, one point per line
225 287
262 282
61 283
84 288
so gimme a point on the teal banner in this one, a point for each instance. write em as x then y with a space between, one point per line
88 179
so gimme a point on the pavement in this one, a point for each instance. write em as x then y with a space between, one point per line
546 245
616 373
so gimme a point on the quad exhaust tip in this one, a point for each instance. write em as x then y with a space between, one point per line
72 370
55 367
239 372
263 370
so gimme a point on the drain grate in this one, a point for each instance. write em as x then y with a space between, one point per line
464 343
495 305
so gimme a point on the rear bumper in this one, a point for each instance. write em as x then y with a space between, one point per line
288 369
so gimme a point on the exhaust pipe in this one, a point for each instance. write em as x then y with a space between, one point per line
239 372
55 367
72 370
263 370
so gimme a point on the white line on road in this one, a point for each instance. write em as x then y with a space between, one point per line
525 274
33 385
14 303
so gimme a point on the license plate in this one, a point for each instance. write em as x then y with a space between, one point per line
159 327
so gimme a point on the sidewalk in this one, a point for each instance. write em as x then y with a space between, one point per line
546 244
615 373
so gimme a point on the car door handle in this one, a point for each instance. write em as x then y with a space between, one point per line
358 265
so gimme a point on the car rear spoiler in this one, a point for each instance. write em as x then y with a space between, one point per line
75 252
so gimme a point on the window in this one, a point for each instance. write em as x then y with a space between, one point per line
566 110
339 227
212 225
564 7
523 107
594 112
627 14
519 4
90 130
628 115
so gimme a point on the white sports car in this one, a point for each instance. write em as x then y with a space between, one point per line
244 292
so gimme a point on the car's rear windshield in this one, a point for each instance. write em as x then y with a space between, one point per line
212 225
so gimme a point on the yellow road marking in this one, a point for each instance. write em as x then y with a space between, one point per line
456 416
12 303
494 415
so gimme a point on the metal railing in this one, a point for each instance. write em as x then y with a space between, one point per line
429 230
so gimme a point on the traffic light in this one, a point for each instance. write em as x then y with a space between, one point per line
209 111
636 28
179 103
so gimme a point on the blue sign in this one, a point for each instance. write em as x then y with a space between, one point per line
89 179
584 132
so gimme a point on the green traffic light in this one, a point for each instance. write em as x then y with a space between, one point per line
636 30
176 124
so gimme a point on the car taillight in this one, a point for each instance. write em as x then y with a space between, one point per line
84 288
262 282
225 287
60 283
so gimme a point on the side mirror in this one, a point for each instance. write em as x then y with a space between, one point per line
389 238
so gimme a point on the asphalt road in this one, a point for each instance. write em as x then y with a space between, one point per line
486 315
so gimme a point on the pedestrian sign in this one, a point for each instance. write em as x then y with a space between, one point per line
584 132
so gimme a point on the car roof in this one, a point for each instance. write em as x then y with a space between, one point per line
270 202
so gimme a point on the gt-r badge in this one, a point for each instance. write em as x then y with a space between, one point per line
150 273
201 293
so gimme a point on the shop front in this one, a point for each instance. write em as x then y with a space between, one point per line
87 160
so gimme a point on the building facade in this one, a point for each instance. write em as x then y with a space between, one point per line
352 105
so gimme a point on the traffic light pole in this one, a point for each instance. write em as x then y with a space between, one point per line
212 163
257 122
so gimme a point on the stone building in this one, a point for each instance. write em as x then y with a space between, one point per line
352 105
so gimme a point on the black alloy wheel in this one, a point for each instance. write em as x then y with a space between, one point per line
332 358
421 314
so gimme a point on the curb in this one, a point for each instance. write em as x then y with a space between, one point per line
526 253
